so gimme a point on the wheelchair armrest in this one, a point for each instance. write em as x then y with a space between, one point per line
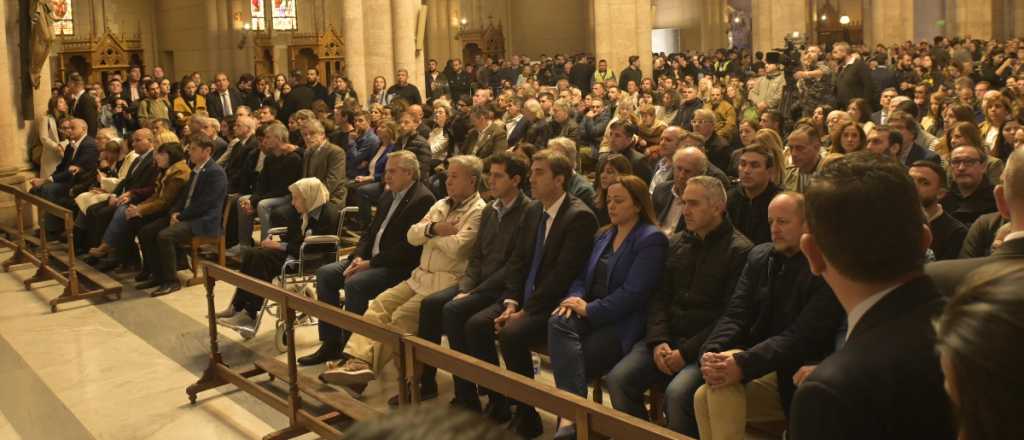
277 231
321 239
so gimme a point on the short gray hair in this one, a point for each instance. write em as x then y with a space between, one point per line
314 126
566 146
406 160
471 163
713 189
276 130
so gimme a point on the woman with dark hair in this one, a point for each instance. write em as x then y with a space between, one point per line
978 338
615 166
848 138
130 217
860 111
668 106
188 103
954 113
1005 140
819 119
50 150
932 122
604 312
342 92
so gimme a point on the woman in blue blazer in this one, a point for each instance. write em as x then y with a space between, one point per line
605 310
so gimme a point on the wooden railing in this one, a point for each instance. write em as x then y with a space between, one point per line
52 264
414 353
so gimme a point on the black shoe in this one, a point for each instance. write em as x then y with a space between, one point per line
526 423
427 392
149 283
106 265
166 288
143 277
88 259
467 405
497 409
327 352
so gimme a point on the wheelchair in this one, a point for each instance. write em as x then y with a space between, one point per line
299 275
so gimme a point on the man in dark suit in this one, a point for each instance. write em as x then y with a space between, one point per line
885 382
780 317
233 160
300 98
319 91
223 100
198 211
559 231
488 136
383 257
854 78
83 105
137 185
81 156
623 141
1010 199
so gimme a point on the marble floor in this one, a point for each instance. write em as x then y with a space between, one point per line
118 370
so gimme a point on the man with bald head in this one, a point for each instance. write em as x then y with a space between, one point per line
133 188
1010 200
81 156
669 143
781 316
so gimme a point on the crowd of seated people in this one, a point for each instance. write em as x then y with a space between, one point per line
750 244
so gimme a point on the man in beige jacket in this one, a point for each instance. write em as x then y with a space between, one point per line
447 234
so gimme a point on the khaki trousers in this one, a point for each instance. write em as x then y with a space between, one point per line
723 413
398 306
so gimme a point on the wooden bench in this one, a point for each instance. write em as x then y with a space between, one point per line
219 241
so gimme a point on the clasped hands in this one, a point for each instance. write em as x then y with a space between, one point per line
720 369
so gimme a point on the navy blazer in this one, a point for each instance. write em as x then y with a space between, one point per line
204 213
634 271
86 157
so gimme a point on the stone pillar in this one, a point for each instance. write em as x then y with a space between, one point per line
773 20
16 135
442 25
891 22
623 29
380 59
714 26
979 18
355 47
403 25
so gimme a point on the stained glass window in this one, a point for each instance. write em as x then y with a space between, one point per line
283 15
64 23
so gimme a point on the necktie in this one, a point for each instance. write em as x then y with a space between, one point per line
226 104
538 255
192 187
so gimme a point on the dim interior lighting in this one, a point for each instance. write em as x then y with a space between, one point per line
844 19
736 20
463 21
824 17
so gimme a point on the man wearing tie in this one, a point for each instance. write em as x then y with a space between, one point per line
224 100
559 231
197 212
80 156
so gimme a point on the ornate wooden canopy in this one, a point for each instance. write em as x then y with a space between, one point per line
97 58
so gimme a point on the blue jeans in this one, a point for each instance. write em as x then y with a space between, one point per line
580 352
117 228
366 197
58 194
263 210
359 290
636 373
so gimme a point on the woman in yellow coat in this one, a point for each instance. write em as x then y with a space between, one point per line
188 103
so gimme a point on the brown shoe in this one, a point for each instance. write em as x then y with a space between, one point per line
100 251
352 372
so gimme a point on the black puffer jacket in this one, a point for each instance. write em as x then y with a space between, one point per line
700 276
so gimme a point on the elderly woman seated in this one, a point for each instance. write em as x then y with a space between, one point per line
312 216
605 311
129 218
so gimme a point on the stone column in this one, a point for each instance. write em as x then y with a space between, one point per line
623 29
403 25
714 28
442 26
773 20
979 18
380 59
355 47
16 135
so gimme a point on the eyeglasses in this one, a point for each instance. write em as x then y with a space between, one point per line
956 163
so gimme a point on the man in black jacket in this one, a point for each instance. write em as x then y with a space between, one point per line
854 78
300 98
135 187
403 90
459 81
631 73
80 156
83 105
704 263
223 100
1010 198
867 239
558 231
947 232
383 257
281 167
748 201
449 309
623 135
780 317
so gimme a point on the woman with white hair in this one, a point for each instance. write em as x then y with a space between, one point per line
312 216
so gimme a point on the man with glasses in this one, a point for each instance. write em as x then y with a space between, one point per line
716 147
971 196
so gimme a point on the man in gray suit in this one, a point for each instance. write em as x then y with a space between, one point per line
1010 199
488 136
322 160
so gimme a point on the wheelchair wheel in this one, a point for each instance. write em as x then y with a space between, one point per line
280 337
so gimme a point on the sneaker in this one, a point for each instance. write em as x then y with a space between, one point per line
353 371
242 323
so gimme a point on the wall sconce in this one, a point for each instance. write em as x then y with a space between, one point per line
824 17
462 27
246 27
844 20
